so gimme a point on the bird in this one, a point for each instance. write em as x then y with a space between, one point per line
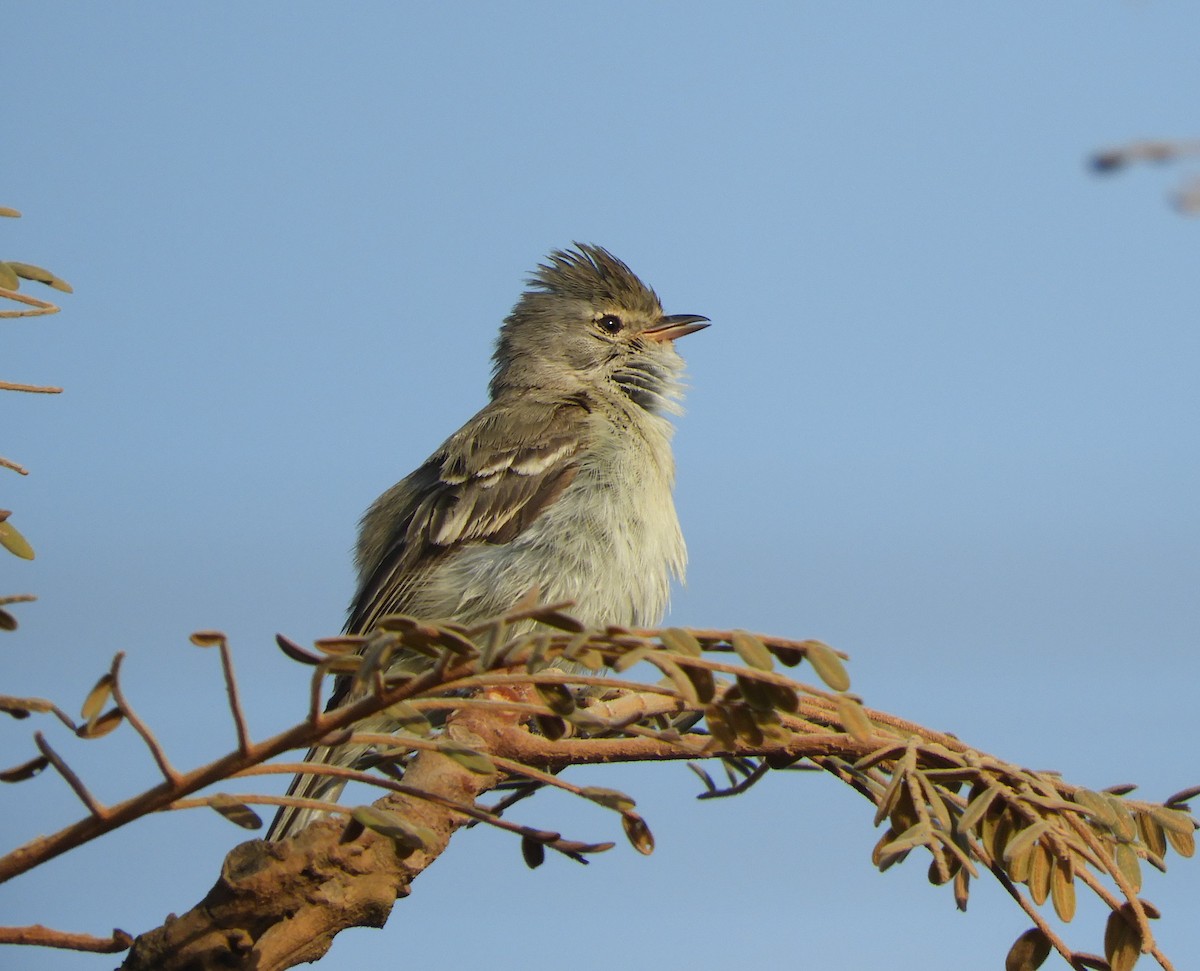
562 483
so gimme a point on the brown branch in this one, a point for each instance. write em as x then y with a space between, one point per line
41 307
276 905
34 388
235 704
156 750
97 808
9 464
40 936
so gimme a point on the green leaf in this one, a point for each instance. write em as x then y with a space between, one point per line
97 697
976 808
1062 889
8 277
40 275
1127 863
681 641
14 542
854 719
828 665
1122 943
752 650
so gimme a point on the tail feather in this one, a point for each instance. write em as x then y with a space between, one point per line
289 820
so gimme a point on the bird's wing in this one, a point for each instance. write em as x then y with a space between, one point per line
486 484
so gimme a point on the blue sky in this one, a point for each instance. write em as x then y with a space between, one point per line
945 417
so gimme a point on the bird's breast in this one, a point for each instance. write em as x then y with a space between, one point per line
611 542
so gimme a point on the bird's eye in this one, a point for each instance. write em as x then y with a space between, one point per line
610 324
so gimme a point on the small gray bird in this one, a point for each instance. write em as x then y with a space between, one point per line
562 482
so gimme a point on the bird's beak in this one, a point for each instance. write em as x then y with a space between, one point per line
678 325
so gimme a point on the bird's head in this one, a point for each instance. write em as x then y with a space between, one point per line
586 320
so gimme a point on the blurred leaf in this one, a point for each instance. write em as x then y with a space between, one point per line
235 811
1125 828
787 656
8 277
407 836
1184 795
26 770
207 638
1028 952
638 833
295 651
99 727
468 758
557 697
610 798
1025 839
854 719
1062 889
1040 863
918 834
97 697
1182 843
681 641
1097 805
627 659
752 651
828 666
979 804
12 213
756 694
14 542
21 707
1151 834
409 718
1122 943
345 644
1127 863
962 888
560 621
534 852
40 275
1173 820
719 725
744 725
702 681
7 620
551 726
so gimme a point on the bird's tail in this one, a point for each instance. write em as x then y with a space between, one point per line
289 820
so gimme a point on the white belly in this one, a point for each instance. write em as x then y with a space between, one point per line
611 543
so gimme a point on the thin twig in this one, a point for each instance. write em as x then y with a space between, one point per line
97 809
41 307
35 388
235 704
41 936
8 464
156 750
